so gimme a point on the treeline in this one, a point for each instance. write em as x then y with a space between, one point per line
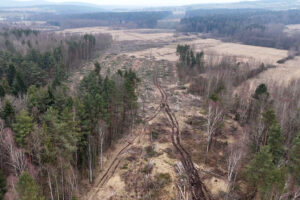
253 15
49 138
120 19
253 27
266 157
68 49
193 65
24 65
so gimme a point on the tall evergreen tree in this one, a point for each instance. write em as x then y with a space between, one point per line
276 142
97 67
19 85
27 188
22 128
62 132
294 162
261 90
11 74
8 112
264 175
2 92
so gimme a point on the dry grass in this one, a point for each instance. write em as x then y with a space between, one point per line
292 29
125 34
168 52
183 104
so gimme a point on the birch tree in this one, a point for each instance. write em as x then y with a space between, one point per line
233 165
215 117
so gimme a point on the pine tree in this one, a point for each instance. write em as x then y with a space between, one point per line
59 76
63 133
2 92
130 84
46 61
97 68
68 134
294 162
11 74
263 174
269 118
57 54
275 143
27 188
19 85
5 85
22 128
261 90
8 112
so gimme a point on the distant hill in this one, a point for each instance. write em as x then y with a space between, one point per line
13 3
45 6
265 4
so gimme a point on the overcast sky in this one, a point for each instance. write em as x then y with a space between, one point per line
146 2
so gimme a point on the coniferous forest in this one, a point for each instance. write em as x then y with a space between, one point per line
53 134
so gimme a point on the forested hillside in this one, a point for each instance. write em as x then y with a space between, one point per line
49 139
122 19
250 26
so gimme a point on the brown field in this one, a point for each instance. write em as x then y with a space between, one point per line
292 29
126 34
171 39
284 73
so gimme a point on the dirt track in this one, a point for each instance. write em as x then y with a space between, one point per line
151 49
198 189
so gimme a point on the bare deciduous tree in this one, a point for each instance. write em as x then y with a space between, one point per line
15 157
234 160
290 195
215 117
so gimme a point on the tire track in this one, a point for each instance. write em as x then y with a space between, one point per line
118 158
197 188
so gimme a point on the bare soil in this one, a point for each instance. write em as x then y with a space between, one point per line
151 52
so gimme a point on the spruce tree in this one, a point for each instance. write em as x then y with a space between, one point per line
8 113
2 92
27 188
19 85
264 175
261 90
22 128
11 74
294 162
275 143
97 67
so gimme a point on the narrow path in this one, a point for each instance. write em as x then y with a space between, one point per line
198 189
109 173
